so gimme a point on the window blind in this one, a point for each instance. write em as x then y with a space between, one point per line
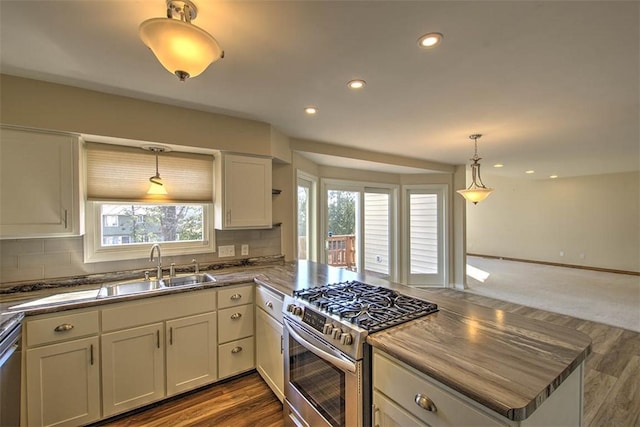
117 172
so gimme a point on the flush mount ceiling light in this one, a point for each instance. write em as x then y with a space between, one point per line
311 110
477 191
157 187
356 84
181 47
430 40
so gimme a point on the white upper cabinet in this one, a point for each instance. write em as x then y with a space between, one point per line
40 192
243 192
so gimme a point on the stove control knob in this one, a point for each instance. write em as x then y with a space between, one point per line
335 333
327 328
290 308
297 311
346 339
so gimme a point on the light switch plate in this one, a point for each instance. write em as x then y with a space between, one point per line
244 250
226 251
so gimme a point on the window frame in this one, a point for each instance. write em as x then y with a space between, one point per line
94 251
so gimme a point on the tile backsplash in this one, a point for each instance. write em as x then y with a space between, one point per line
38 259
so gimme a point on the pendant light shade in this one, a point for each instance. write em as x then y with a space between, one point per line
477 191
181 47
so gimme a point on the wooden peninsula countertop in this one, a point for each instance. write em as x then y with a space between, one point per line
505 362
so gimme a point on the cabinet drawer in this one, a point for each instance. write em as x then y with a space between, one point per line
61 328
270 302
235 322
230 297
402 384
235 357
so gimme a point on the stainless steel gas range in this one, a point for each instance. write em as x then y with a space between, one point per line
327 361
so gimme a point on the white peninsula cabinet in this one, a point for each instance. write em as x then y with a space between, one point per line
269 339
62 369
137 335
243 192
40 194
405 397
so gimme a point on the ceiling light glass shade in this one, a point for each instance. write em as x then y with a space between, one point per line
157 187
475 195
181 47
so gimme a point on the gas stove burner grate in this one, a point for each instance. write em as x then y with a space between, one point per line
370 307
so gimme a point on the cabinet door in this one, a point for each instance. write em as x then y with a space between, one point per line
191 352
63 383
245 183
386 413
39 184
269 358
132 368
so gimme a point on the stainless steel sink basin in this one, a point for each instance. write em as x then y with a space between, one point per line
120 289
128 288
193 279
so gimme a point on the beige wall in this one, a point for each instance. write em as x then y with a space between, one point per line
594 220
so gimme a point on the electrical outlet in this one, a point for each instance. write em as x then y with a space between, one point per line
561 253
226 251
244 250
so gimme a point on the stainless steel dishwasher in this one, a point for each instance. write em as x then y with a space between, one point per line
10 363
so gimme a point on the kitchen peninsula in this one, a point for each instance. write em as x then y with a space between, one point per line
502 364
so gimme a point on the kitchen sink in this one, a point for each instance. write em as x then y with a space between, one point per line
128 288
188 280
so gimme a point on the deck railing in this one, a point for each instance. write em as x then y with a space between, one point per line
341 251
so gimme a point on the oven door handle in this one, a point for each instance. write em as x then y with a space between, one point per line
340 362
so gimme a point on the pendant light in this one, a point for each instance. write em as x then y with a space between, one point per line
181 47
157 187
477 191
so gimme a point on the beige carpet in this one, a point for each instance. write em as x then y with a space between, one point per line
613 299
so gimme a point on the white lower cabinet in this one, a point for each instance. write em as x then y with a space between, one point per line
403 396
191 352
406 397
236 348
63 383
132 368
269 345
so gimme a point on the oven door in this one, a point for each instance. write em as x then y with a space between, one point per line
322 386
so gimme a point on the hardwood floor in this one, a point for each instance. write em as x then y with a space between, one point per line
611 391
243 402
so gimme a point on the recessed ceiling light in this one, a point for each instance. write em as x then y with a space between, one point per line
430 40
311 110
356 84
553 176
498 165
530 171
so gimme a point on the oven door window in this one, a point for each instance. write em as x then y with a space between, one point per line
321 383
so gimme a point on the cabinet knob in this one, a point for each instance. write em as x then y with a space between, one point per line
237 349
235 316
64 327
269 304
425 403
236 297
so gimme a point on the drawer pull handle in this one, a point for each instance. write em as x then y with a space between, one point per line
425 403
237 349
269 304
236 316
64 327
236 297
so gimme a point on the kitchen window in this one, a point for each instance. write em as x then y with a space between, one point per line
122 221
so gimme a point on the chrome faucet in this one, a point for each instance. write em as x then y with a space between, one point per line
197 266
159 269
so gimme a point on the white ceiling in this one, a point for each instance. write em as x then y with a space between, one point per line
553 85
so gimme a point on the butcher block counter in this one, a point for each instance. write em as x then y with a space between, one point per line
505 362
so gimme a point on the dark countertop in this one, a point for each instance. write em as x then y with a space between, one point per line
503 361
